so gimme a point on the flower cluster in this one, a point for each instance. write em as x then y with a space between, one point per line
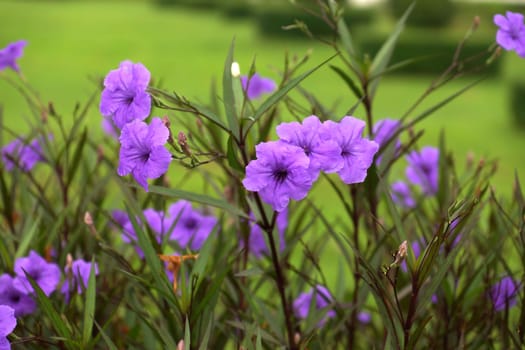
21 154
10 54
511 32
125 103
256 85
16 291
286 169
182 224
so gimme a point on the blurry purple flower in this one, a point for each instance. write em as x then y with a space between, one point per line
77 277
256 86
383 131
357 152
323 298
434 299
142 151
10 53
423 169
511 32
46 275
402 195
124 97
7 325
120 217
109 127
257 240
364 317
18 154
324 154
22 303
192 228
279 173
504 293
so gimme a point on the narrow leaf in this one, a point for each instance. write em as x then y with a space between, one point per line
89 307
228 93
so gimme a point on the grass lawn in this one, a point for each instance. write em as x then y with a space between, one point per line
72 41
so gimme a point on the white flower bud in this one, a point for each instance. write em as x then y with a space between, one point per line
236 70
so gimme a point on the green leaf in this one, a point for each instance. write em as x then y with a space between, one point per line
344 33
349 81
187 335
59 323
89 307
27 238
233 161
281 93
206 338
77 156
107 339
197 198
228 93
188 107
383 56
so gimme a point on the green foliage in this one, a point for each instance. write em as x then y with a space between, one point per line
427 13
224 296
517 102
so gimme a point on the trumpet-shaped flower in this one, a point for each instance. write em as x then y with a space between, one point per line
46 275
18 154
257 242
511 32
77 276
383 131
7 325
324 153
423 169
255 86
402 195
142 151
22 303
279 173
10 54
124 97
504 293
357 152
192 228
323 298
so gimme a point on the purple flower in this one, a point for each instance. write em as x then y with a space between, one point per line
22 303
256 85
10 53
7 325
402 195
46 275
511 32
279 173
504 293
324 154
364 317
192 228
109 127
77 276
357 152
18 154
124 97
323 298
142 151
423 169
383 131
257 242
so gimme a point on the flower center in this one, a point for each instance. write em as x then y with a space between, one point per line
190 224
280 175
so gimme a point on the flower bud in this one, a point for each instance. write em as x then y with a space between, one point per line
236 70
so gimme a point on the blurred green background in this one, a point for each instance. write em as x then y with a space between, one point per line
184 44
